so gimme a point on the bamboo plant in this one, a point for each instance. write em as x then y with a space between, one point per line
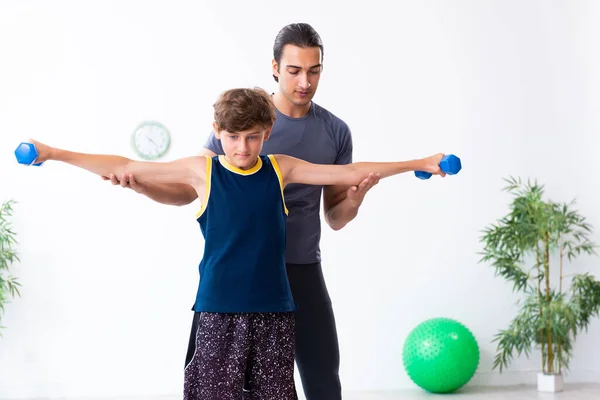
530 247
9 285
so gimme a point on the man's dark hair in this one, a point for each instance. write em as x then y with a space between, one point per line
297 34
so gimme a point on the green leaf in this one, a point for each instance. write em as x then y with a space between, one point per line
527 246
9 285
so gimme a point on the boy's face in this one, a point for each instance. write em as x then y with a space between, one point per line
299 72
242 148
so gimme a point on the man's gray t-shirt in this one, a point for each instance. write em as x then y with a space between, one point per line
321 138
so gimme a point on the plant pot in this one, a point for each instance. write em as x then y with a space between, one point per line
550 382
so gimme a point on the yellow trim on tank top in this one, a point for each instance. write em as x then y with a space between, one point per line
206 186
240 171
278 172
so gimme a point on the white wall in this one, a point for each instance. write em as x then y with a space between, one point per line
109 277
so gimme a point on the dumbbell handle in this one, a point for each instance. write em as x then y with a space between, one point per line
26 154
450 165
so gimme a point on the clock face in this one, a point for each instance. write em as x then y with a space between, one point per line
151 140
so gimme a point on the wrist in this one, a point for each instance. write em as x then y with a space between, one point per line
342 213
353 203
53 154
420 164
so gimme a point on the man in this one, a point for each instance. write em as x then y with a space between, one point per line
307 131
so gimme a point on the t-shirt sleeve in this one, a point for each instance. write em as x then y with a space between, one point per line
213 144
345 147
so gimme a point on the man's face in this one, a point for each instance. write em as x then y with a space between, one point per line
299 72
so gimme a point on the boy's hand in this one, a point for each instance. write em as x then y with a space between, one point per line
126 182
44 151
432 164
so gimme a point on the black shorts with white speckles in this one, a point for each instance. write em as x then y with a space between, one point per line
233 356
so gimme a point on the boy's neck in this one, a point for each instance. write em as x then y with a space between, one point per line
230 163
288 108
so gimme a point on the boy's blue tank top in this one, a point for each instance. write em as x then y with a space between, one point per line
243 221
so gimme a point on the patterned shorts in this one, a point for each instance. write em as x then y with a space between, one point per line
237 356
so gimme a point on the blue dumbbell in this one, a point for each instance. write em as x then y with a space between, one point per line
26 154
450 164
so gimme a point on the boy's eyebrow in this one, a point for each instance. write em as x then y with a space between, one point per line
247 134
295 66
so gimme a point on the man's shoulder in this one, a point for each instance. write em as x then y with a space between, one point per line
334 122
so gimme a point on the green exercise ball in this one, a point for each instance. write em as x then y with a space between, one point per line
440 355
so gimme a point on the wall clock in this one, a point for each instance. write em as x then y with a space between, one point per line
151 140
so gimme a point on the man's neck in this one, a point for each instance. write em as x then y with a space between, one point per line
288 108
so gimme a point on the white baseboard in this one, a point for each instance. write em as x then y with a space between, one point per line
481 379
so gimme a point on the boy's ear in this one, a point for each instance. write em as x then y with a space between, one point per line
216 130
267 134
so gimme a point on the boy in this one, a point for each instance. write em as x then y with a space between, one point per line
244 305
306 130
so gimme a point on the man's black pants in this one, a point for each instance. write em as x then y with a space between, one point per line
317 349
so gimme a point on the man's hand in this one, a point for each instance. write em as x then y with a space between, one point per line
341 206
127 182
356 194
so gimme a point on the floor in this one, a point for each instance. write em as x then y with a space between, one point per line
571 392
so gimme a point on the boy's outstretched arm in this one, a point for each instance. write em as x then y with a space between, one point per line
295 170
190 170
175 194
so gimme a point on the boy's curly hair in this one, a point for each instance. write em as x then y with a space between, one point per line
244 108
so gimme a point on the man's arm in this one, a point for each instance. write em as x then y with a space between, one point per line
341 203
175 194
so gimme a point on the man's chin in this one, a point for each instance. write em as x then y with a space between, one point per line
301 102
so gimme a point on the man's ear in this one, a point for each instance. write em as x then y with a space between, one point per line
267 134
275 68
216 130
